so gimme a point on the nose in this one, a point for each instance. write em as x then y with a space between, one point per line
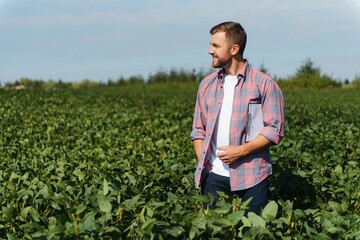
211 51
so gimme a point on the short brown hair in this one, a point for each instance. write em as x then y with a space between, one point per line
234 32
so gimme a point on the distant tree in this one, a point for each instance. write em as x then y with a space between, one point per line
159 77
85 83
110 82
263 69
309 76
356 82
136 80
176 76
25 82
121 81
308 68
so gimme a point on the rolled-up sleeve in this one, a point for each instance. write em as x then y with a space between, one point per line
273 113
198 126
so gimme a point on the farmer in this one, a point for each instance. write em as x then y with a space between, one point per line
239 114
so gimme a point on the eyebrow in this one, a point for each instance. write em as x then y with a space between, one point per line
214 44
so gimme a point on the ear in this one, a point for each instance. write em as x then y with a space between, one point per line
235 49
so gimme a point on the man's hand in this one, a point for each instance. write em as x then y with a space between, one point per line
229 154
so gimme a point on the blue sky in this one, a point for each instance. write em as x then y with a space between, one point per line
77 39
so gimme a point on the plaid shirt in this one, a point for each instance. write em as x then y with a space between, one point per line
253 87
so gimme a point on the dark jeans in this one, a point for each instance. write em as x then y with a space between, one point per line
259 192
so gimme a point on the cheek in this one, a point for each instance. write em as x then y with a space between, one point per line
219 55
225 54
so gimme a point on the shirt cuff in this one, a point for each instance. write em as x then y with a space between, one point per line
197 134
272 134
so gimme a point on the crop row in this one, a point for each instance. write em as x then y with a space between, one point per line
117 163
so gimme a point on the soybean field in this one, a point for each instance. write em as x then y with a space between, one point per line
117 163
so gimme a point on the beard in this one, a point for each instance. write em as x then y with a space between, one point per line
219 62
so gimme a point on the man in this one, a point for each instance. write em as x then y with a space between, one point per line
239 114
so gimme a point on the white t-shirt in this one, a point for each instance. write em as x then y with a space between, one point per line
222 127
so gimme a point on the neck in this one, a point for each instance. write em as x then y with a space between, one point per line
235 67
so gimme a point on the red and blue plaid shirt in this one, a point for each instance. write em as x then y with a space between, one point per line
253 87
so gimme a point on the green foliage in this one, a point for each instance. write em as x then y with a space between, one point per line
117 163
308 68
356 83
133 80
173 77
27 83
309 76
176 76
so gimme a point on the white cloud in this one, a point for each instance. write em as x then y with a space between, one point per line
175 33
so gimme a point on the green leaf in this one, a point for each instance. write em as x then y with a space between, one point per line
131 203
246 221
89 223
24 212
193 232
215 229
352 163
175 231
111 229
223 223
333 230
256 220
55 205
222 207
7 213
148 224
235 217
11 236
199 222
105 187
79 174
31 226
34 214
81 208
104 203
338 170
270 210
44 191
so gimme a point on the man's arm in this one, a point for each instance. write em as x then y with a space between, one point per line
273 113
198 143
229 154
272 133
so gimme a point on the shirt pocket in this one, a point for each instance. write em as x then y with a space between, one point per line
254 97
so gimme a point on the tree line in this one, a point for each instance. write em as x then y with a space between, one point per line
307 76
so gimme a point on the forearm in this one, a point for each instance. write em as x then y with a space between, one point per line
229 154
198 143
257 144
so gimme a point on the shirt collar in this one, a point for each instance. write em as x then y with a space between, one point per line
240 76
